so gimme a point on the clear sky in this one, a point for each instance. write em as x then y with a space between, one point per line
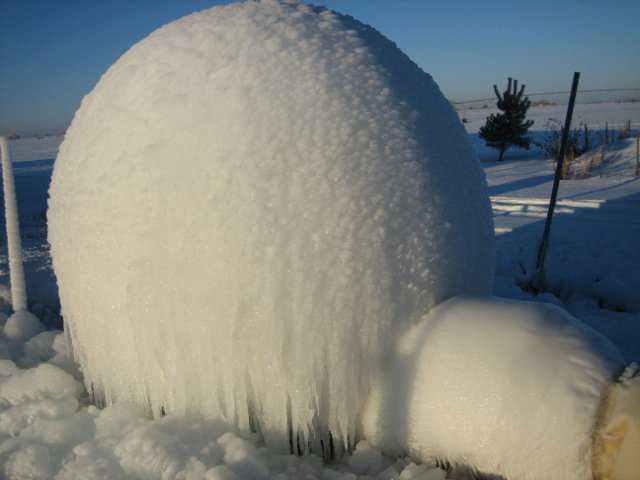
52 52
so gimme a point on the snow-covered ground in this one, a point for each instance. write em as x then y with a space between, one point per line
593 264
50 429
619 159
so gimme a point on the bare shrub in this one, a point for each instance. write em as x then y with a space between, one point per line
579 141
625 131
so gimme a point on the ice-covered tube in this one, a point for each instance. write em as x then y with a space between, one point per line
517 389
249 207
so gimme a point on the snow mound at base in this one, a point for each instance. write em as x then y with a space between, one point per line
250 205
511 388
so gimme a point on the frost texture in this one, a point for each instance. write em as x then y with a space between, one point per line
249 207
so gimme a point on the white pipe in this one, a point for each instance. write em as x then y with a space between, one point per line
18 289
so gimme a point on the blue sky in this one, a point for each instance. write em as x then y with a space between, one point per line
53 52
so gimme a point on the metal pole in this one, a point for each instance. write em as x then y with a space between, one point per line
556 180
16 272
638 155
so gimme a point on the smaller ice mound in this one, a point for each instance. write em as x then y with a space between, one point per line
249 207
22 325
509 388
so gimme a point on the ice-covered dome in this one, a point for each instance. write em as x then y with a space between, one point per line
250 206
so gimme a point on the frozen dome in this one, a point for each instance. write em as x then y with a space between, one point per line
250 206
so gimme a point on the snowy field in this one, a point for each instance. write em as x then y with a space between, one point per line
594 259
49 429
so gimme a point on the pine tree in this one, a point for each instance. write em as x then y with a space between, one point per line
508 128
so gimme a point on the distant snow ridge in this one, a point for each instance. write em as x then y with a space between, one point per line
247 210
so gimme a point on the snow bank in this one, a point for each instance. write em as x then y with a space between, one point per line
511 388
247 209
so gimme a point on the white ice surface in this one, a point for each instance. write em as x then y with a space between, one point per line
248 208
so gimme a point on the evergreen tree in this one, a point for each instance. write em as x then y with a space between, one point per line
508 128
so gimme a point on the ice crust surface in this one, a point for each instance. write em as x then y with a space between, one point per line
251 205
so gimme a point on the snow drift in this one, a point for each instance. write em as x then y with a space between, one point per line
250 206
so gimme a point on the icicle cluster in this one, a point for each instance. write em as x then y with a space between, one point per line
247 210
